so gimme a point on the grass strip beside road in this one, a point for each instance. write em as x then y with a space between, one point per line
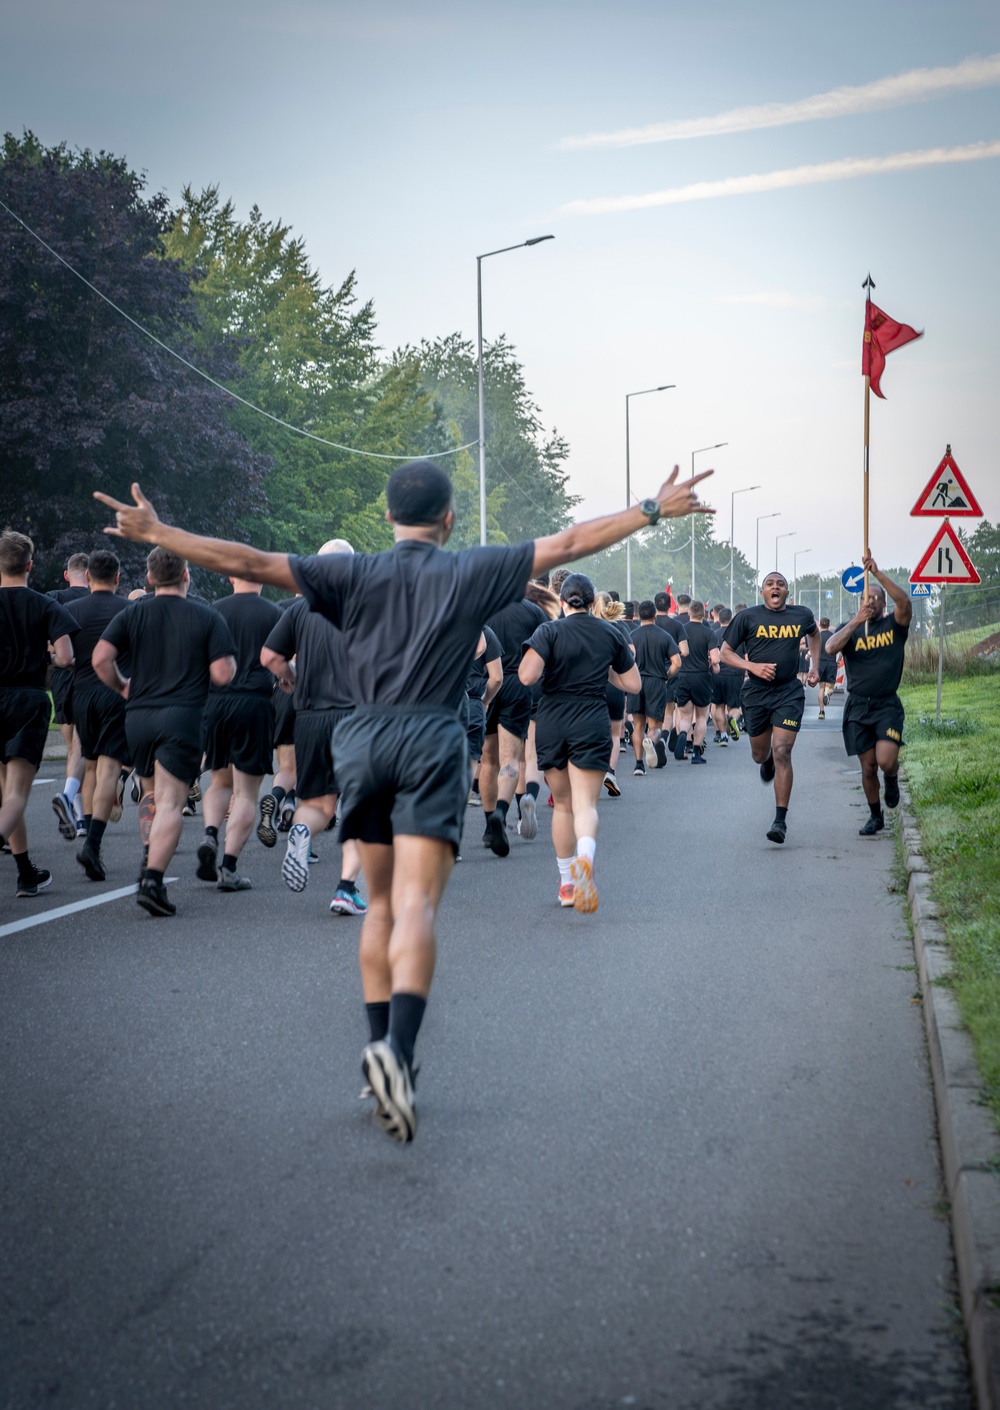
954 781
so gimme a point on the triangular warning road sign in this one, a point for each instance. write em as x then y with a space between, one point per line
947 492
946 561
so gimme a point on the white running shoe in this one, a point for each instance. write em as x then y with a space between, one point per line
528 826
295 867
649 753
392 1087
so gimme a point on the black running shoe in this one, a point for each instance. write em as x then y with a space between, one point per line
640 769
767 770
90 859
37 881
208 853
671 740
265 828
891 791
776 832
872 826
498 842
152 897
661 753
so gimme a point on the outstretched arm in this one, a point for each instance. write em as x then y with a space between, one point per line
141 524
580 540
901 599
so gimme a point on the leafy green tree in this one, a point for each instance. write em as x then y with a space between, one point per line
661 555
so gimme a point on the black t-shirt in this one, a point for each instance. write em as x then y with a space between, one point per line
249 618
171 643
93 613
653 650
700 640
673 626
824 636
478 677
578 652
411 617
64 596
321 674
874 663
763 635
718 636
513 625
29 620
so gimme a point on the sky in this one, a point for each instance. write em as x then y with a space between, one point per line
719 182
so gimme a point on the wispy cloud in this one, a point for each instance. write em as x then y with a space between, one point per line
773 298
843 170
915 86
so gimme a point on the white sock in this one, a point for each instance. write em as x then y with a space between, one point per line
71 788
78 807
586 847
565 865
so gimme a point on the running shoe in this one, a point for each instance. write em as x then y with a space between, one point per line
661 754
116 808
767 769
152 897
313 857
190 809
232 881
822 714
208 853
872 826
348 903
497 841
295 867
627 733
680 748
37 881
567 892
286 818
891 791
63 809
90 859
640 769
776 832
611 784
265 828
584 890
649 753
392 1087
733 728
723 741
528 826
671 740
474 799
136 790
698 755
81 830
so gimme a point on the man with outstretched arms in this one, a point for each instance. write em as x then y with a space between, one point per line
873 644
402 796
773 698
175 649
28 622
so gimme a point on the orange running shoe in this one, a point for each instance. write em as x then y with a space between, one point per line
567 893
584 890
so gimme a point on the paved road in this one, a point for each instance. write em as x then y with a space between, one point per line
679 1154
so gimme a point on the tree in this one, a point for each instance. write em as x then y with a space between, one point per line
87 401
662 555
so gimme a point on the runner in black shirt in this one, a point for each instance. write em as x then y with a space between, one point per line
98 713
412 618
507 722
773 700
68 805
827 668
484 680
611 610
175 650
694 686
727 683
658 658
28 621
873 646
676 628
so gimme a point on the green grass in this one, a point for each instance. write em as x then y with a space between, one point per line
969 637
954 778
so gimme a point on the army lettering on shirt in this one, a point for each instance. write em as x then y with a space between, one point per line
763 635
874 662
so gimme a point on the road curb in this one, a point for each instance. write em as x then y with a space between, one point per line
970 1143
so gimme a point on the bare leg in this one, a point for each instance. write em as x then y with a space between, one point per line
165 832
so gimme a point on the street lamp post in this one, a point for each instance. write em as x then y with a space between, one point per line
790 535
628 481
756 554
795 571
718 445
732 520
536 240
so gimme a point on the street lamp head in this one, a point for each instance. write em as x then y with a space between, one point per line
667 387
537 239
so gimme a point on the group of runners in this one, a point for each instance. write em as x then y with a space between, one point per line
375 685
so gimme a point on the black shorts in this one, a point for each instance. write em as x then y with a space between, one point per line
284 718
99 716
869 718
61 686
573 730
651 700
615 701
24 723
475 726
780 706
535 691
402 771
238 731
671 691
315 776
828 670
168 735
511 708
694 688
726 688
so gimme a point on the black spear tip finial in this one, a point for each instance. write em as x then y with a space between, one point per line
869 282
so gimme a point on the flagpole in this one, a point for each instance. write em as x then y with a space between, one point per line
868 285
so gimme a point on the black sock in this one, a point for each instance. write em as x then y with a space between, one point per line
475 785
501 808
346 884
95 833
153 875
277 793
875 809
25 869
87 819
378 1020
406 1012
213 833
228 861
532 789
780 814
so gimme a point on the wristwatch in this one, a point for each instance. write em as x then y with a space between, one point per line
651 509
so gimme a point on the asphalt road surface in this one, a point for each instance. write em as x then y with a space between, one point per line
678 1154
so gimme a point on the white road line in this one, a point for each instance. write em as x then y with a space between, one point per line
40 782
43 917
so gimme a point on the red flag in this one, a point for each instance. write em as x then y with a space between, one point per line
883 335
